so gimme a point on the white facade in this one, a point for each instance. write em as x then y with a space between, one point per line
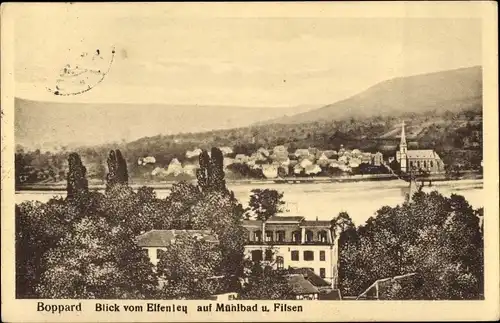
328 266
153 254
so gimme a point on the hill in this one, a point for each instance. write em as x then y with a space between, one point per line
451 90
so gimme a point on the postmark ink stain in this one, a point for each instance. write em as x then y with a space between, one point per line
75 79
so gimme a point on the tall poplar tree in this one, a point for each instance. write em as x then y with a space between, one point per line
117 169
203 173
77 183
217 181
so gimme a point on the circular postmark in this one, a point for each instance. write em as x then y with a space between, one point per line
90 70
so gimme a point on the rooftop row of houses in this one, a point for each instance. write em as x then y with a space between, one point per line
272 162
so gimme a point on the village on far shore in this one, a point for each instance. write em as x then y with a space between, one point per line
280 162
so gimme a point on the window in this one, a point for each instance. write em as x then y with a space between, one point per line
279 262
309 236
257 255
425 164
257 236
296 236
322 272
432 163
159 252
269 255
308 255
295 255
269 236
322 255
322 236
280 236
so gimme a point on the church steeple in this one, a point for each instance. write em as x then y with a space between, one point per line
403 149
402 146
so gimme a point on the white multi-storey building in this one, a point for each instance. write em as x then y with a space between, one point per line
293 242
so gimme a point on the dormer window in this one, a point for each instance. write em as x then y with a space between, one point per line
296 236
322 236
280 236
269 236
309 236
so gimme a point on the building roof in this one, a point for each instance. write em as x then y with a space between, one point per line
286 218
162 238
379 288
317 223
422 153
301 286
255 223
296 219
301 152
309 274
333 295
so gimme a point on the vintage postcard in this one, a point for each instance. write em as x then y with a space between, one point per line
321 161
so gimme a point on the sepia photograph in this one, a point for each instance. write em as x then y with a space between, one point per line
167 157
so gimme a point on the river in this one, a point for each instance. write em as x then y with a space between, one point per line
325 200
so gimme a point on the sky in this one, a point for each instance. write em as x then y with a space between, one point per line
244 60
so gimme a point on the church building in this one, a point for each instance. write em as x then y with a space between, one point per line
423 159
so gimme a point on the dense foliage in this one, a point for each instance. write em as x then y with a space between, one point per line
437 238
265 203
263 282
84 246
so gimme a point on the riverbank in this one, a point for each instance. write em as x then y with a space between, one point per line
436 181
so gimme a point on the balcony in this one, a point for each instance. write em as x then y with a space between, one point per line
289 242
282 237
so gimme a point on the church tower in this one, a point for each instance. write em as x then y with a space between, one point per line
403 148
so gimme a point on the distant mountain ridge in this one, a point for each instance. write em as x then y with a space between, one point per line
45 125
451 90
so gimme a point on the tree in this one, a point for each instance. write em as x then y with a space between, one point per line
265 203
217 181
341 223
437 238
77 184
39 227
122 171
266 283
85 247
203 173
97 260
187 266
219 212
211 174
117 170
